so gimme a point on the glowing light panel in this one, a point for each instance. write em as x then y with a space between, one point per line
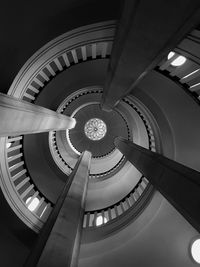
33 204
8 145
95 129
180 60
195 250
101 220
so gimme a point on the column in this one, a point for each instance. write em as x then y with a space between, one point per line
59 241
146 33
179 184
19 117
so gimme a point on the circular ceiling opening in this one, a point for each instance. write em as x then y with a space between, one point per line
95 129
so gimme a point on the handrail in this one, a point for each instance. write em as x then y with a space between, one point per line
16 180
116 210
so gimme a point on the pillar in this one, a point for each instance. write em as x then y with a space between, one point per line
59 240
19 117
179 184
146 33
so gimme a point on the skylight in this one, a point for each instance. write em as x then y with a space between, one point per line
95 129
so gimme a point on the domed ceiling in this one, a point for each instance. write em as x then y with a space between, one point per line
67 75
91 119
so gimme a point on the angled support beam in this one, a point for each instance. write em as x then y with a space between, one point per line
59 241
179 184
146 33
19 117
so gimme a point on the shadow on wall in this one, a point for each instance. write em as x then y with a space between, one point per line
16 239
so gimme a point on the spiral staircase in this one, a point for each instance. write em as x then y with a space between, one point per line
123 211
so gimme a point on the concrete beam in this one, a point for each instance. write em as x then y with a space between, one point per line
19 117
179 184
59 240
147 32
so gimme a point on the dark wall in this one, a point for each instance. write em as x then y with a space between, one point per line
13 252
16 239
26 26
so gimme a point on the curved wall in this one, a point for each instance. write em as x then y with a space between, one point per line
160 233
181 112
158 237
169 106
44 174
27 26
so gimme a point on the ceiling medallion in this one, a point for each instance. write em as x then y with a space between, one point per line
95 129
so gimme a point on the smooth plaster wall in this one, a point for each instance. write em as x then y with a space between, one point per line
182 114
162 238
158 237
